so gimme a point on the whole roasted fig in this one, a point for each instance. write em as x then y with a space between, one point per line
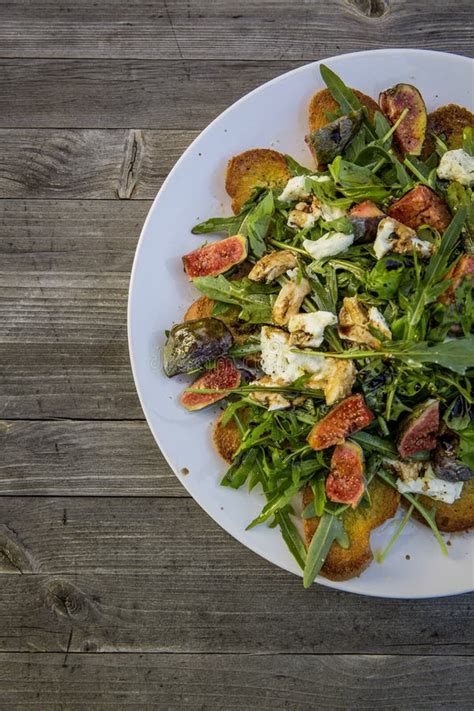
444 460
329 141
193 343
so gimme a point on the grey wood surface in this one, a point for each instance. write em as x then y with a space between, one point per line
116 590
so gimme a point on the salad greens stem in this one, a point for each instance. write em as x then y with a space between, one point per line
283 245
380 557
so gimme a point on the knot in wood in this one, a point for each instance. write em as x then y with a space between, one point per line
66 600
370 8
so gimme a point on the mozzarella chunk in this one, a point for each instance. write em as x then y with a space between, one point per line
335 379
385 237
392 234
407 471
457 165
270 400
273 265
328 245
289 300
278 360
431 486
308 329
377 320
295 189
330 213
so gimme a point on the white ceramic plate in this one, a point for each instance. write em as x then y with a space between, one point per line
274 115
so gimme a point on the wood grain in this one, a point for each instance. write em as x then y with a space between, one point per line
63 458
124 93
218 29
87 164
254 609
231 682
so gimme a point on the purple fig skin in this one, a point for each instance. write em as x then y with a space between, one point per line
410 134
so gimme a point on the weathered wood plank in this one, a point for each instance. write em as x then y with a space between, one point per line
64 269
203 29
64 458
216 681
178 609
124 93
159 574
70 236
87 164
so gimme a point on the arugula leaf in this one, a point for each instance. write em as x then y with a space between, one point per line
377 444
329 529
357 182
238 472
341 93
257 223
468 140
231 225
291 537
435 270
466 446
421 171
456 355
296 168
255 304
458 196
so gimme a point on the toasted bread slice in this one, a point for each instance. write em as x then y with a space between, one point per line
342 563
201 308
458 516
227 437
322 103
447 122
256 168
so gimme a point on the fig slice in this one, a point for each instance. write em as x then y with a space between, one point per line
193 343
345 483
216 258
418 431
410 133
365 218
421 206
348 416
224 375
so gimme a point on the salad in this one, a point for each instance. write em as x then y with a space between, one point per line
334 326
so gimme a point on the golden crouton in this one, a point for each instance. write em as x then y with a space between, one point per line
256 168
345 563
201 308
448 123
458 516
227 437
322 103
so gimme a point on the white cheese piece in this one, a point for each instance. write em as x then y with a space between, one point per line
457 165
309 328
301 220
384 240
270 400
278 360
295 189
335 379
328 245
422 247
330 213
377 320
431 486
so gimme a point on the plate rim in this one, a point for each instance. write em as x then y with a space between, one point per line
337 585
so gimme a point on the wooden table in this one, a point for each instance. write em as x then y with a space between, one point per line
116 590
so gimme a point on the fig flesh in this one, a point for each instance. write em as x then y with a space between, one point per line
348 416
345 483
418 431
409 135
216 258
194 343
365 219
223 377
421 206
